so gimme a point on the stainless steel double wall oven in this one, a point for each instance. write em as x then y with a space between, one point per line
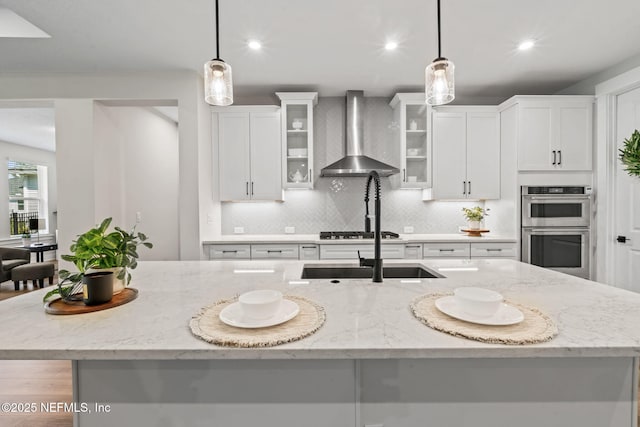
556 227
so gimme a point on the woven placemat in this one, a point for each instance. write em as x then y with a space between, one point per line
536 327
207 326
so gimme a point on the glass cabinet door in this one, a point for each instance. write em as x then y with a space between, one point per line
297 169
415 147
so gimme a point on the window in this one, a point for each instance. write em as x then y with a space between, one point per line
27 197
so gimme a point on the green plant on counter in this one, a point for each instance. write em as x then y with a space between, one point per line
98 249
476 213
630 154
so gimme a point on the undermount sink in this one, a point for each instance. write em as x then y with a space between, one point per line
396 271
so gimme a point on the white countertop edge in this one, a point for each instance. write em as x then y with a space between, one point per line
223 353
313 239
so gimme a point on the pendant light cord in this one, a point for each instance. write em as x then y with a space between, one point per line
218 32
439 54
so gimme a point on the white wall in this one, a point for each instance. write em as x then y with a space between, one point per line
588 85
136 171
9 151
74 95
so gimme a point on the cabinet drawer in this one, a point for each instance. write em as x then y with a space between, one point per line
493 250
309 251
350 251
230 252
449 250
413 251
274 251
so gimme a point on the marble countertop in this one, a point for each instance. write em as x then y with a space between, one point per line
364 320
314 238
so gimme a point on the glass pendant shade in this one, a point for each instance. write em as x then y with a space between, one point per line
439 82
218 84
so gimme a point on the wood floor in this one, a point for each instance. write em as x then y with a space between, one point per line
36 381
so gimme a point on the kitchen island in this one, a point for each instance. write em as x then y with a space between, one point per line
372 363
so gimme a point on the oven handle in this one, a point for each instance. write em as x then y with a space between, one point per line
556 230
559 198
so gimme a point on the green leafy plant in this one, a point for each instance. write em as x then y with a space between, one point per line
98 248
476 213
26 236
630 154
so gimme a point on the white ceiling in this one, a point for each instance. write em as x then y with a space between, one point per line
329 46
334 45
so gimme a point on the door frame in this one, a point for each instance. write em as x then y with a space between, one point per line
606 155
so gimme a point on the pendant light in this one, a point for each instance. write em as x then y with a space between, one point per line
218 86
439 82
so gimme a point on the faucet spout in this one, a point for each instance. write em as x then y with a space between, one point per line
377 262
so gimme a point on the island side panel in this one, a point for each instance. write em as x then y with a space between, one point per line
550 392
230 393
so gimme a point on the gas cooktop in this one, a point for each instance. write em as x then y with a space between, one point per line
348 235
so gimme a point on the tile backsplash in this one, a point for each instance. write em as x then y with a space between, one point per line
338 203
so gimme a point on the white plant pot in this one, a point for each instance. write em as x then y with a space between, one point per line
474 225
118 284
26 241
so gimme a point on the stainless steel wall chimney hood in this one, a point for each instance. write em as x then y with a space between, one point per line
355 163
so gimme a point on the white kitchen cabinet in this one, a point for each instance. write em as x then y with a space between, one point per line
493 250
297 138
309 251
412 137
350 251
554 133
446 250
249 150
231 251
274 251
466 153
413 251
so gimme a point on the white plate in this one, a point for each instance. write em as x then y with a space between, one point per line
232 316
506 314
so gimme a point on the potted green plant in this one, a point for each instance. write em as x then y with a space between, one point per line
97 249
474 216
630 154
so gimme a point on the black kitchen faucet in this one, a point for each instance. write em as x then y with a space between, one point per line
376 262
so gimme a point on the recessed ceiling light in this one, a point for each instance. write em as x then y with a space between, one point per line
526 45
391 45
254 44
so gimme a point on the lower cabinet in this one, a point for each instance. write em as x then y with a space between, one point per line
274 251
470 250
350 251
229 251
311 251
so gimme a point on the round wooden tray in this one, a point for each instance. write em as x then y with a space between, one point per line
58 306
474 233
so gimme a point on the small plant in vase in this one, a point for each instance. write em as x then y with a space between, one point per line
474 216
26 239
99 250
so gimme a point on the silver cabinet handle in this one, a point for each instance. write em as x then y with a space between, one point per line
554 157
559 157
247 185
464 187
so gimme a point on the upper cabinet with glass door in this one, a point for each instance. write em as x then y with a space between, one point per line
297 138
410 115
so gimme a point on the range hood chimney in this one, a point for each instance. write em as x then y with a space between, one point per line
355 163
